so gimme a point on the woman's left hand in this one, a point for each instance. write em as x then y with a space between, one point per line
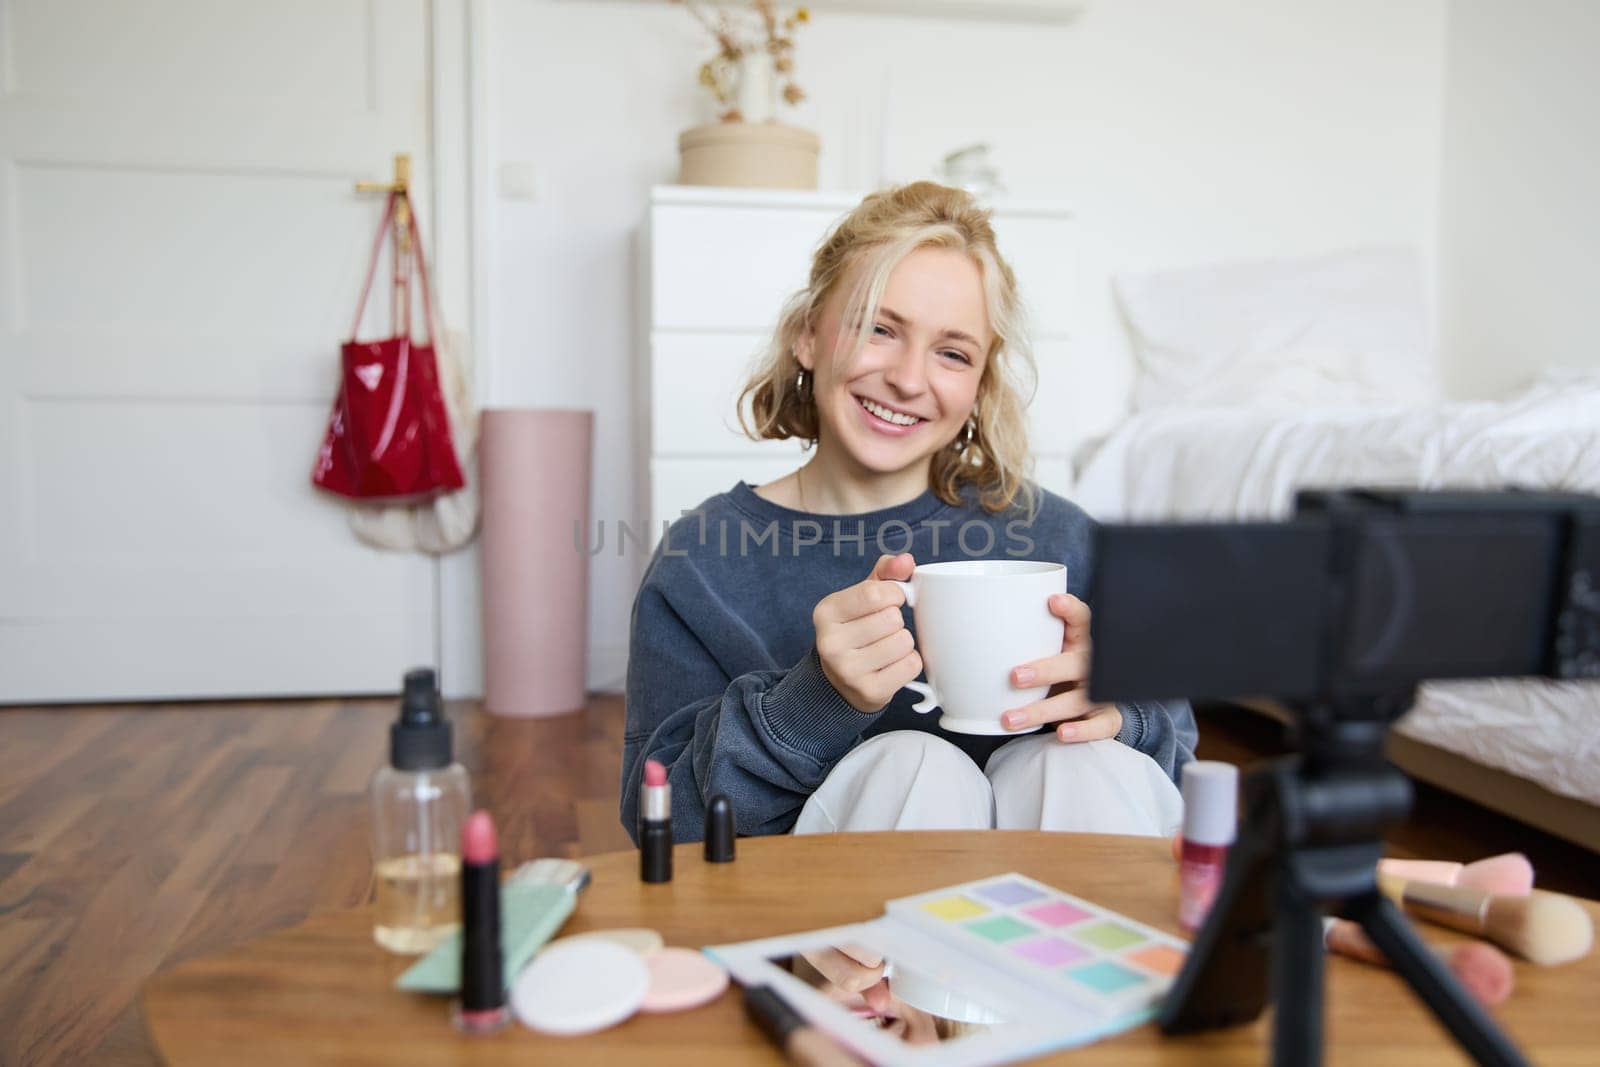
1067 674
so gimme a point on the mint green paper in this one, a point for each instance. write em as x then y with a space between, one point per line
530 914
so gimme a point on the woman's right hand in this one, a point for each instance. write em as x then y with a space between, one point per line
865 648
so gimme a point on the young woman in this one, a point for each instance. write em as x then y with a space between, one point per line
768 651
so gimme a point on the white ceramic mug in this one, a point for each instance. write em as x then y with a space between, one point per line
976 620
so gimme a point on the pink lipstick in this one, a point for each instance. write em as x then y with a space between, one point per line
655 825
482 1008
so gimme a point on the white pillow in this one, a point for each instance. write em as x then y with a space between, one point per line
1343 328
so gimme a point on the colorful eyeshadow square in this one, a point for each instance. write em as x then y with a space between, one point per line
954 908
1157 959
1106 977
1108 936
1009 894
1050 951
1057 913
1000 928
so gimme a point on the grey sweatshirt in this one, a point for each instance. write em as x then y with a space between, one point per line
724 684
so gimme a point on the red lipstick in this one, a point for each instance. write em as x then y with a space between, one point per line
482 1008
655 825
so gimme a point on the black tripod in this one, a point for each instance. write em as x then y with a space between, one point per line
1310 839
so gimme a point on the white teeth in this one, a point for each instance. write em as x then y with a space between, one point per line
886 415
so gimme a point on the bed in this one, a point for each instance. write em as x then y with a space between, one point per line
1256 379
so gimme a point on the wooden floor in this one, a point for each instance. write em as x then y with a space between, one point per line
133 837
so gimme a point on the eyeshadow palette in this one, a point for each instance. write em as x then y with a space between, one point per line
974 974
1066 944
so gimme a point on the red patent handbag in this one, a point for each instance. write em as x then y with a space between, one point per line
389 434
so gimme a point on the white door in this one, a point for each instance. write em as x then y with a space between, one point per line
180 251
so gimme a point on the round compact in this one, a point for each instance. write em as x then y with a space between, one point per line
579 986
680 979
636 939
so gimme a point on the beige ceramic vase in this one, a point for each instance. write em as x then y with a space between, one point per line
766 155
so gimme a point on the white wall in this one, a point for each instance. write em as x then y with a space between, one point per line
1183 131
1520 199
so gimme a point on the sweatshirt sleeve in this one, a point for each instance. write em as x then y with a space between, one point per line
1164 730
765 738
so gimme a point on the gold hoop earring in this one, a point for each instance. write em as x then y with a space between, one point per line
801 380
967 436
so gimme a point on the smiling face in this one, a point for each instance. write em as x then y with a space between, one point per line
912 388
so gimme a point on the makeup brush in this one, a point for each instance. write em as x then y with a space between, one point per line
1546 928
1483 970
1510 873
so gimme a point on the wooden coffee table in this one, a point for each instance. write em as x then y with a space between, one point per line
322 992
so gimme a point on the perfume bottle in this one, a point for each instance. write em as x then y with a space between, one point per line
419 805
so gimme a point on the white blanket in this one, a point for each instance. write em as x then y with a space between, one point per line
1228 464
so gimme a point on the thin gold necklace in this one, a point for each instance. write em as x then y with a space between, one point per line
801 488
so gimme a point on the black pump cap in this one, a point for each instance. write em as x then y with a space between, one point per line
719 830
420 740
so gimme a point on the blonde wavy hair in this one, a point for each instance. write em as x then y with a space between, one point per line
875 237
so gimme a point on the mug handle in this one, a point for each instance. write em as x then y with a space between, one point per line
929 695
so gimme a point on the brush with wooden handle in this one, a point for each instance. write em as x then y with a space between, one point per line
1507 873
1546 928
1483 970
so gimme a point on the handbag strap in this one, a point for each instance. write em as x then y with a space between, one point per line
402 268
372 265
429 322
404 261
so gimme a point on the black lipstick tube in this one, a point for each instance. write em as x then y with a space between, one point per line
655 833
482 1009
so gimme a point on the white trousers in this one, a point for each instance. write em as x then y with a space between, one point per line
909 780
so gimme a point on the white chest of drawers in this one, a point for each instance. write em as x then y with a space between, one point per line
718 265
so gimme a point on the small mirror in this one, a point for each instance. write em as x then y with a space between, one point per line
912 1005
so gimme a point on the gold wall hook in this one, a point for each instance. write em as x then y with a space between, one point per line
402 209
402 178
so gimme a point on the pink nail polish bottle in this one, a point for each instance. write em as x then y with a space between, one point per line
1210 818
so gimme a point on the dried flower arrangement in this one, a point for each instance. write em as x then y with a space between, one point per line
773 34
